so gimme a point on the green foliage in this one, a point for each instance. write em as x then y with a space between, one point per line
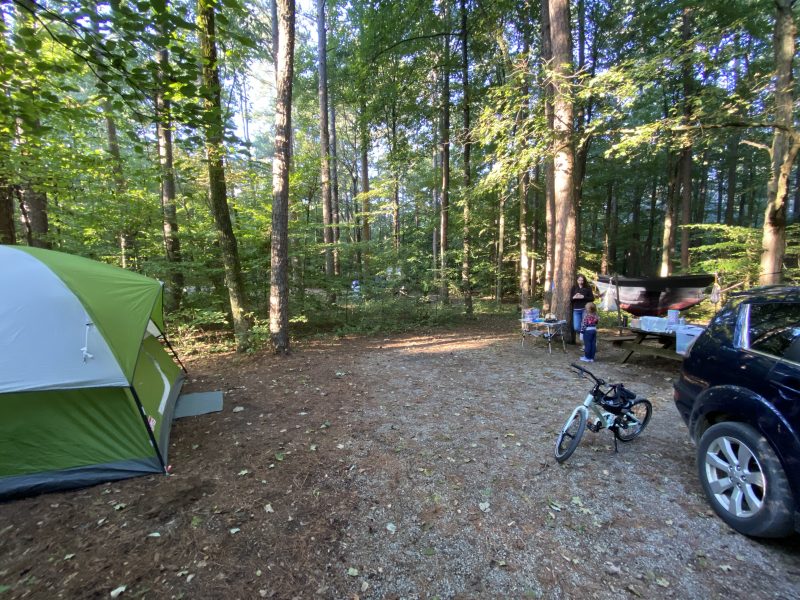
733 253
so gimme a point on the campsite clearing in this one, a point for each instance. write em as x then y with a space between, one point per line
416 466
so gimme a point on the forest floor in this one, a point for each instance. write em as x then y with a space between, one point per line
416 466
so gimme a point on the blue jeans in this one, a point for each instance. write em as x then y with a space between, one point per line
590 343
577 317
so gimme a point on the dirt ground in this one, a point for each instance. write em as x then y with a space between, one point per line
416 466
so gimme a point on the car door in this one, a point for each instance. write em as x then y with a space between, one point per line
774 332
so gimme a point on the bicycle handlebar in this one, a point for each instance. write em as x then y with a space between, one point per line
597 380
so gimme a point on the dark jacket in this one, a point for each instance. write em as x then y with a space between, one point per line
588 296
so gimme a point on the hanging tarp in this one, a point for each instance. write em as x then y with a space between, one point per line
654 296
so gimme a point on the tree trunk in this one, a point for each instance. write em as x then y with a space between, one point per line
549 181
445 209
667 240
218 195
500 254
523 183
337 268
365 237
466 284
8 235
278 289
535 238
634 253
172 248
648 247
686 151
324 139
606 258
785 146
796 212
733 160
565 257
395 182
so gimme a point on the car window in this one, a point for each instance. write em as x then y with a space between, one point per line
774 328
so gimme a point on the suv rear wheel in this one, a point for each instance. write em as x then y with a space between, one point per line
744 481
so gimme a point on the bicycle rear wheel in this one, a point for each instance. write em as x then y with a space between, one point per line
633 420
571 434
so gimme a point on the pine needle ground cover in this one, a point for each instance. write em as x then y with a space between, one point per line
398 466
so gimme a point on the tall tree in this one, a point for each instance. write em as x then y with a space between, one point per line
523 183
172 245
466 283
214 126
565 256
279 288
337 269
785 146
686 149
444 213
549 182
324 137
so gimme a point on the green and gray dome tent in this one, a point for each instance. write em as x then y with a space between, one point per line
87 391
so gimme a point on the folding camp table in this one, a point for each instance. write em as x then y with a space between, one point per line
545 330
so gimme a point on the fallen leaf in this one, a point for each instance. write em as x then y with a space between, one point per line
577 501
279 456
238 409
235 530
69 556
189 578
634 591
154 534
117 591
352 572
484 506
428 551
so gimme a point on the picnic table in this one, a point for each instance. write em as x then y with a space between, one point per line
547 330
651 343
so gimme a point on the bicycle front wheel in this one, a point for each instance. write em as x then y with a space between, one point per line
633 420
571 434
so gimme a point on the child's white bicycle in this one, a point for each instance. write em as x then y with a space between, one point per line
612 407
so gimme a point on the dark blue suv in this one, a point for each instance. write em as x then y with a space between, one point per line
739 394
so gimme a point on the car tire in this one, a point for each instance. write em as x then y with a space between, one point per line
744 481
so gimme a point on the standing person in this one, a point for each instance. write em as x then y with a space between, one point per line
581 295
589 331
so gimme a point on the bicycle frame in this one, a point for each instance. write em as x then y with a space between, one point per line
606 418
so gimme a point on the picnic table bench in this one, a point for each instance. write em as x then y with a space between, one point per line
634 341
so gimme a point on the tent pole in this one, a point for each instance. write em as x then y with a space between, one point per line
175 354
147 427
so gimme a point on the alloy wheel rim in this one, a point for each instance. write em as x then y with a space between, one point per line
735 477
